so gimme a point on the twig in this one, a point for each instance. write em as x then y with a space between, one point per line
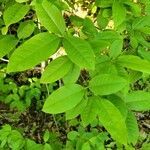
4 59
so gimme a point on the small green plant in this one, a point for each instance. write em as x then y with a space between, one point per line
86 140
13 139
19 97
102 58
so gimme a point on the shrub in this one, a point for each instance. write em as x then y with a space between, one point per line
97 60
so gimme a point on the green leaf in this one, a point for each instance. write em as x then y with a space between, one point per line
97 142
103 17
5 132
63 99
119 103
80 52
112 120
72 113
104 65
72 135
105 84
134 7
25 29
50 17
145 54
46 136
135 63
7 43
141 39
30 144
104 39
15 13
21 1
116 48
61 5
109 36
33 51
134 76
132 127
145 146
57 69
76 20
119 13
102 22
86 146
104 3
15 140
47 147
133 41
140 22
138 101
89 28
145 30
72 76
90 112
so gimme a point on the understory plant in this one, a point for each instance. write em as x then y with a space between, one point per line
96 60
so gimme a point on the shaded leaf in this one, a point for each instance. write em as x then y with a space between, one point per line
7 43
119 103
72 113
72 76
30 144
145 54
25 29
90 112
